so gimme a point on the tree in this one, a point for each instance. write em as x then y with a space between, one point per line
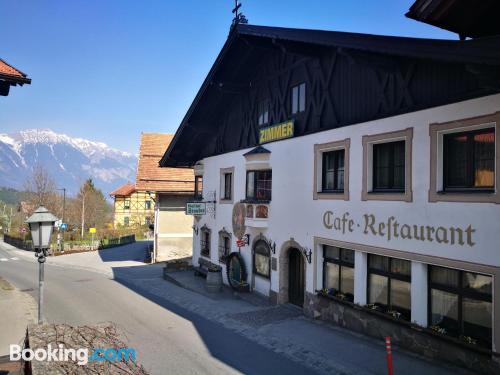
41 191
91 206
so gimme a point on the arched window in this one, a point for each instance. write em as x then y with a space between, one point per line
262 259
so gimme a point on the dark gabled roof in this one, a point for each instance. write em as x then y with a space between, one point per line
485 52
257 150
479 51
468 18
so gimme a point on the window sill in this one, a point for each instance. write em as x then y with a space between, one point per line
466 191
387 191
262 276
255 201
407 324
225 201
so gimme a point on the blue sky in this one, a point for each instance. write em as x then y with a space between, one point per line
107 70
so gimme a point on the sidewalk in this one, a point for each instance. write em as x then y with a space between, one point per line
325 348
18 309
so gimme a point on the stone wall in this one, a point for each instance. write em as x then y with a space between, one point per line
404 335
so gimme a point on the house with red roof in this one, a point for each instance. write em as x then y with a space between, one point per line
10 76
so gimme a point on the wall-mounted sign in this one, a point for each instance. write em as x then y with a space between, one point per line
196 208
392 229
239 214
276 132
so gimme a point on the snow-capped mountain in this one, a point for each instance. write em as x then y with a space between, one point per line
69 160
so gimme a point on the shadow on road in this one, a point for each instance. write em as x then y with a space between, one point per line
224 344
136 251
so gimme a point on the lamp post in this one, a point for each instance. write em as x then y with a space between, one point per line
41 224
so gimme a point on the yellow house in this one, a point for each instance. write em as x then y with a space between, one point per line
132 208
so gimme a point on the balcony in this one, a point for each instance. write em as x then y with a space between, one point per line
257 214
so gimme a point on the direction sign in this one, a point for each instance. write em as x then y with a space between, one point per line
196 208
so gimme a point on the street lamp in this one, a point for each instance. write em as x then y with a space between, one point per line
41 224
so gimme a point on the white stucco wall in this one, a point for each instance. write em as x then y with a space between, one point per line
294 214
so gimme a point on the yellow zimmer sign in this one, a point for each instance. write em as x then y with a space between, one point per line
92 230
276 132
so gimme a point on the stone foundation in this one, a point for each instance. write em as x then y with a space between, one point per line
403 334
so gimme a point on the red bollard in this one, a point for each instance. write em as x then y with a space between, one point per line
389 355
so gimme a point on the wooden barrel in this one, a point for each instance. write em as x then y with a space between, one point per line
214 281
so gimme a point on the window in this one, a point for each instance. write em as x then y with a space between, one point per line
299 98
205 241
462 160
263 113
259 185
147 205
338 271
389 166
198 187
126 204
469 160
460 302
389 285
224 245
262 259
126 221
333 171
227 185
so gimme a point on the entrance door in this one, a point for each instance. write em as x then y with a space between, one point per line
296 278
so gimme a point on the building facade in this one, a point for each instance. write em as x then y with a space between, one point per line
352 173
132 208
171 188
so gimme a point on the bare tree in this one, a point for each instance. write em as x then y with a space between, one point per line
41 191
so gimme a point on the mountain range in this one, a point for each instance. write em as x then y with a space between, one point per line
69 160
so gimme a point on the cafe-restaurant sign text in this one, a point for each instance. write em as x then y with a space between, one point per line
276 132
390 228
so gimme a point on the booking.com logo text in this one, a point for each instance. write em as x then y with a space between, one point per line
80 356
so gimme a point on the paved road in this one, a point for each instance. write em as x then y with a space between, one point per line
166 342
177 331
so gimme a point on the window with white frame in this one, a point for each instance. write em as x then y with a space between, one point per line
298 98
263 113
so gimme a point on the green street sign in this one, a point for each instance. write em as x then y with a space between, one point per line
196 208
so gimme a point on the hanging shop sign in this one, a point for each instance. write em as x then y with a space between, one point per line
239 214
243 241
196 208
276 132
392 229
